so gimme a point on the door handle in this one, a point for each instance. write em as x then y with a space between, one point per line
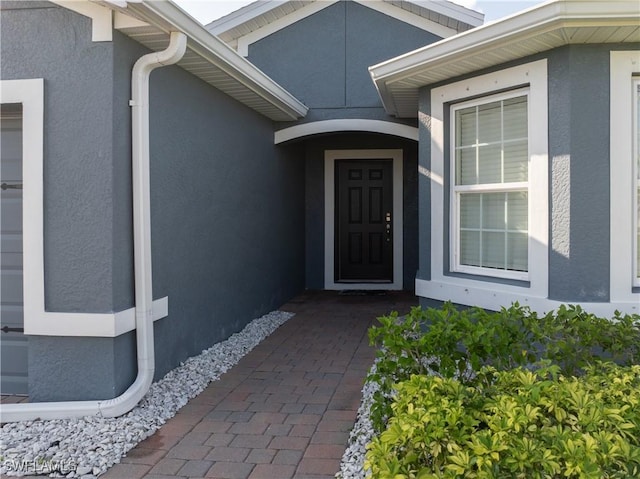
15 186
388 226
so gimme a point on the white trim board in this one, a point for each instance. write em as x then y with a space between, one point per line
494 297
330 157
624 65
38 321
101 17
461 289
332 126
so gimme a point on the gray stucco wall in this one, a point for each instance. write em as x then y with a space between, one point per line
323 59
579 182
579 196
227 205
78 194
227 217
314 199
45 41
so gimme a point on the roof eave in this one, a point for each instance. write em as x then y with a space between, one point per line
167 16
545 19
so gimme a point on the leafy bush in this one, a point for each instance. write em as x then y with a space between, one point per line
449 342
514 424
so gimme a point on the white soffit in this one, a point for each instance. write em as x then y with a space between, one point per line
207 57
551 25
264 17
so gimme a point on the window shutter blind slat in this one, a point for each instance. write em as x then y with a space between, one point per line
491 148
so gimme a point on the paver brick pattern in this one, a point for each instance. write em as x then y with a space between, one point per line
285 410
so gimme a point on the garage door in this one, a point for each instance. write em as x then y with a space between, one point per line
13 343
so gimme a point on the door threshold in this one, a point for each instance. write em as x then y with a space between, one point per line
362 292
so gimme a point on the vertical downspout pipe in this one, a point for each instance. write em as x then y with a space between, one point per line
142 258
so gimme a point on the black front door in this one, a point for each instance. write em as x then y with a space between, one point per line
364 236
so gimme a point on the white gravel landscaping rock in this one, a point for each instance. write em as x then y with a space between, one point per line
87 447
352 463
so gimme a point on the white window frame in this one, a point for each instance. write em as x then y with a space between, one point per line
454 205
636 178
482 291
37 320
624 73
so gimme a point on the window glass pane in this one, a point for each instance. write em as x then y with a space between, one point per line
493 211
517 252
490 164
515 118
470 210
490 123
493 250
492 149
517 211
516 165
466 167
466 126
470 248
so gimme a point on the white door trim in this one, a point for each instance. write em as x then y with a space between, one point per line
330 157
345 124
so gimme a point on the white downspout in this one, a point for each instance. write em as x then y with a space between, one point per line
142 258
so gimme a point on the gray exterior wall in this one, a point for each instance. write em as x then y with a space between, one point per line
323 59
579 196
314 200
227 205
78 195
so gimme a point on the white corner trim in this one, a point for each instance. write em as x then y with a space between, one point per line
270 28
109 325
38 321
491 296
331 126
535 76
624 64
330 157
101 17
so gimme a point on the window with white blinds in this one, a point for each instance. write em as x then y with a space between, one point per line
490 186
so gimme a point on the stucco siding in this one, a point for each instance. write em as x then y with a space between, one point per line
579 155
227 205
78 194
45 41
323 59
227 215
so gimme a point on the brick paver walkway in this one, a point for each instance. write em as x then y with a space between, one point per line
285 410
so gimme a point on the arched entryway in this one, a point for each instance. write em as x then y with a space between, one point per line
361 203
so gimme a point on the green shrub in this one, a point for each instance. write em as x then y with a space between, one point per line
457 343
513 424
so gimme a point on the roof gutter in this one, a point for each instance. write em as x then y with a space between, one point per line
170 17
142 258
548 18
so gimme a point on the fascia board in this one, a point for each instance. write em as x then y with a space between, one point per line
536 21
452 10
167 16
409 18
242 15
